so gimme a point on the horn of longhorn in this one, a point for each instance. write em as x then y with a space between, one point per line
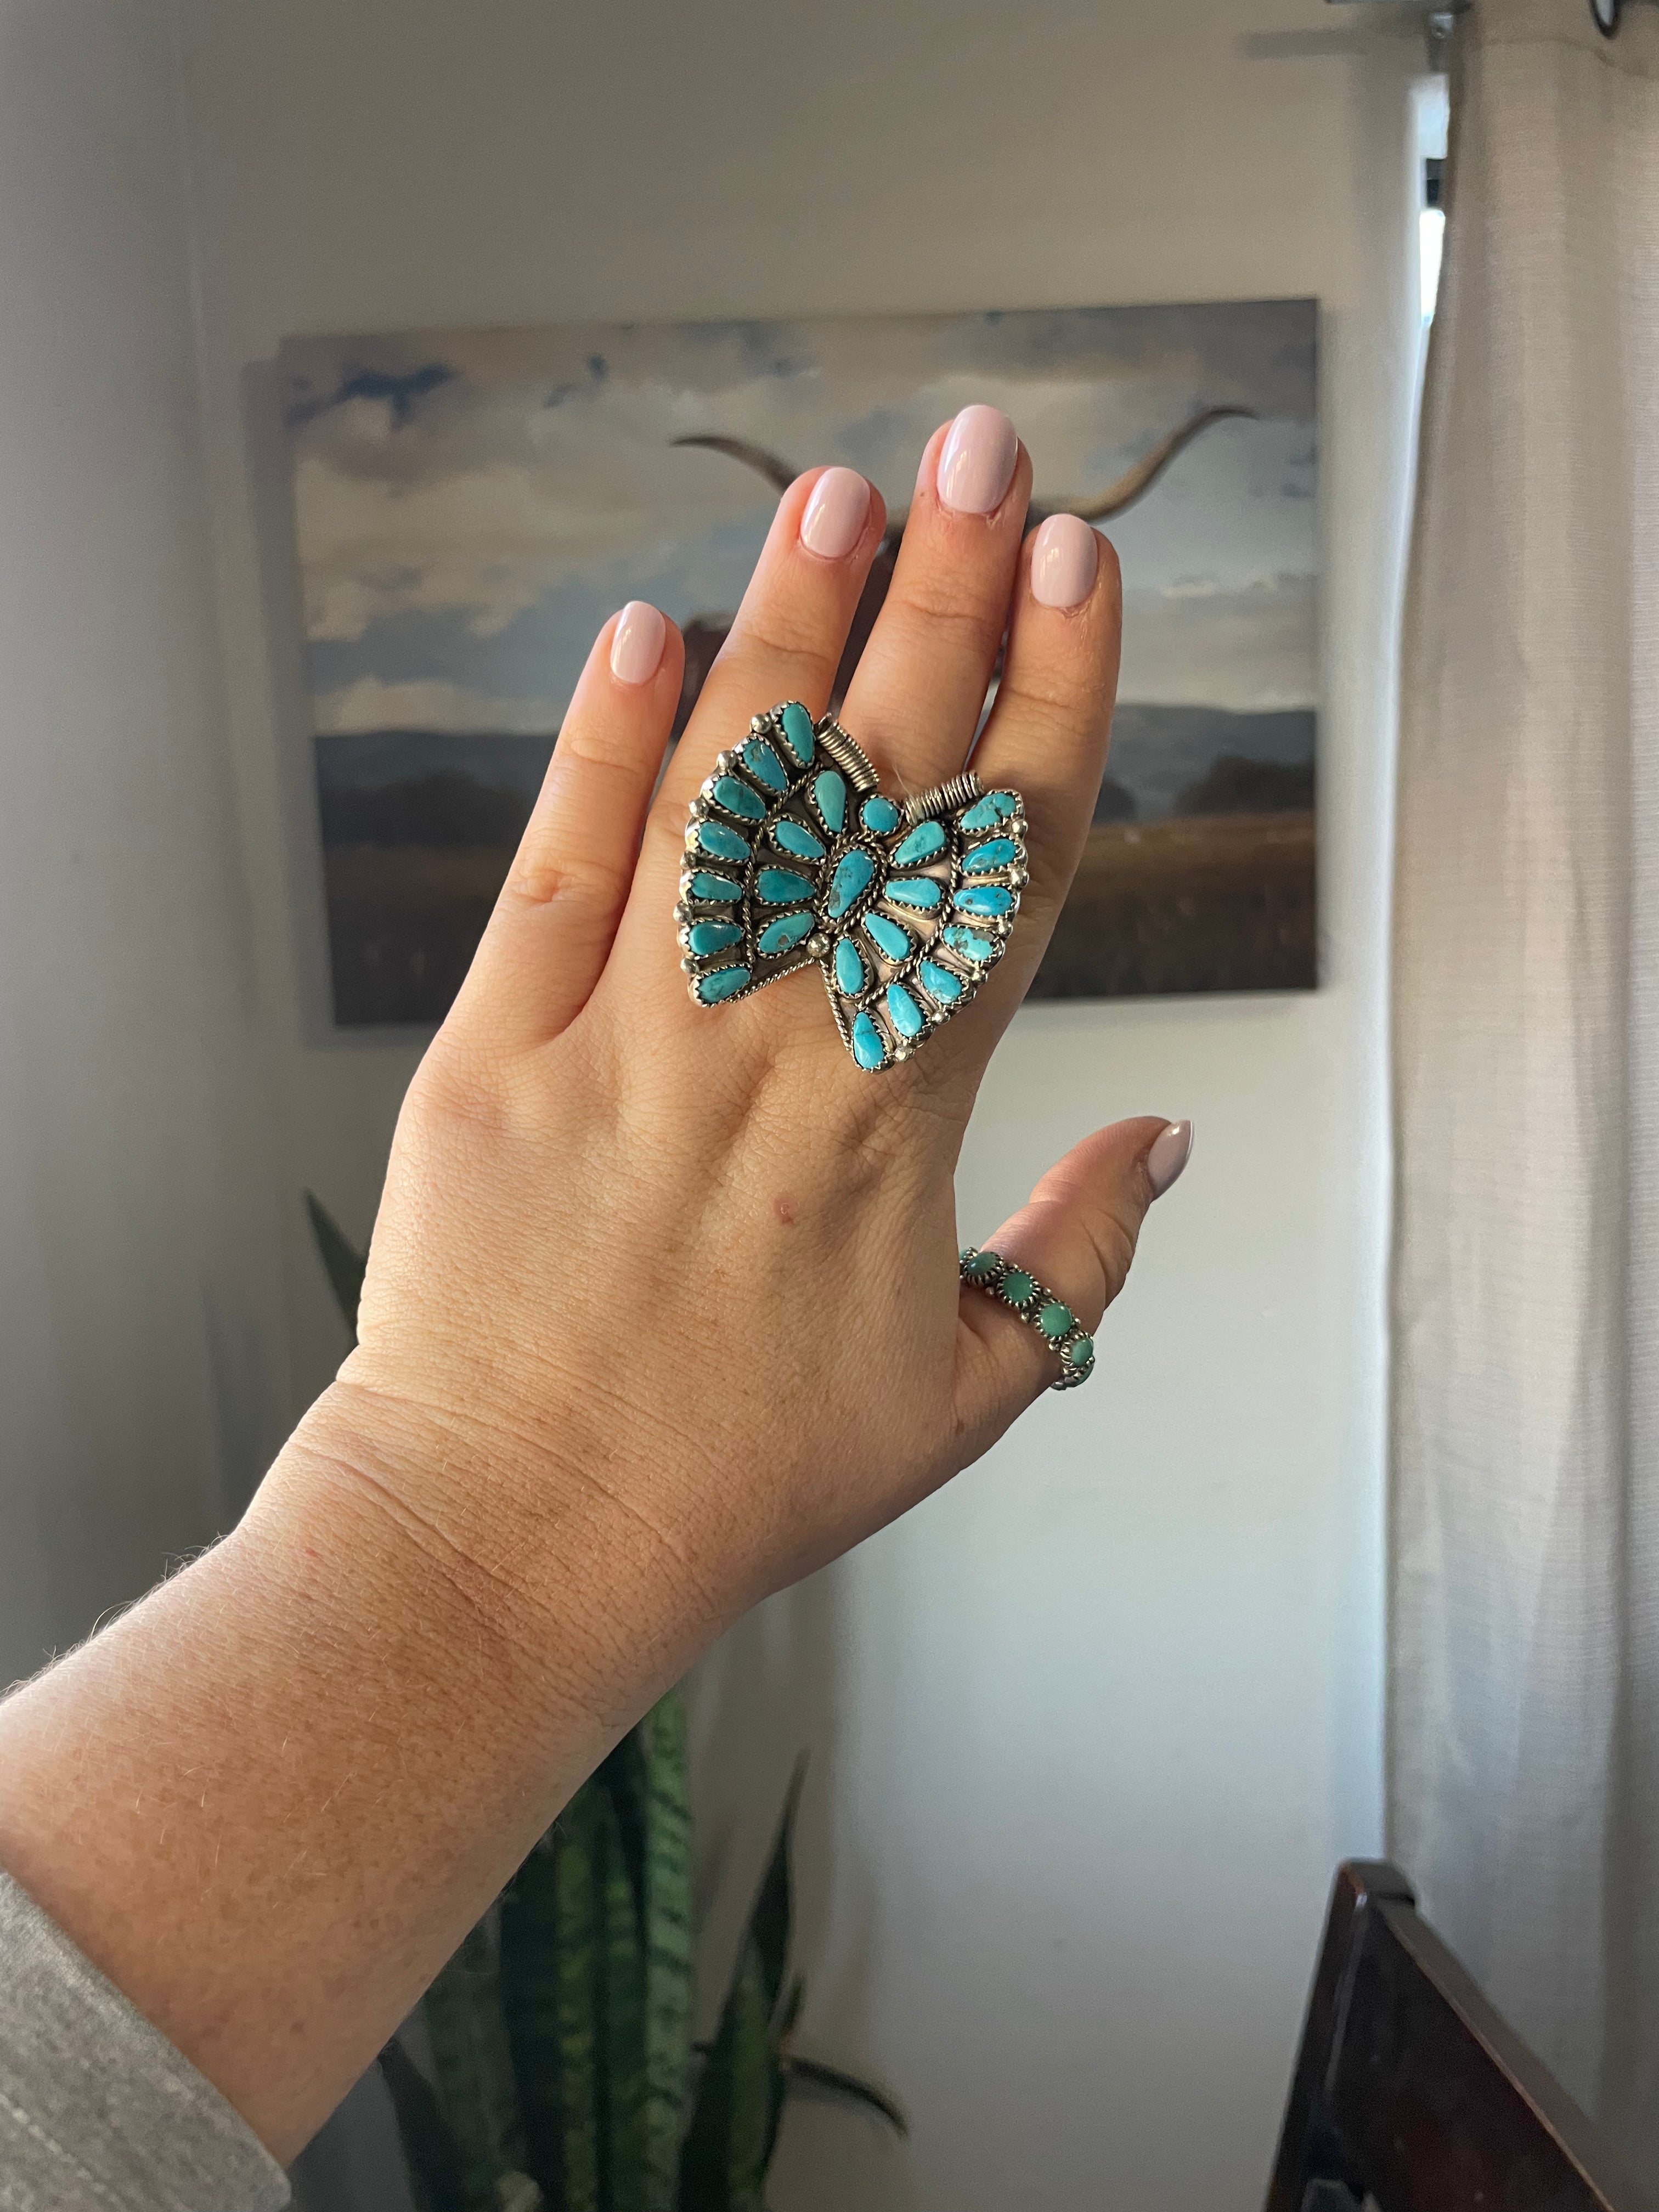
778 474
1134 484
1138 480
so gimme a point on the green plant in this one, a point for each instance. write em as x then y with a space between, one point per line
566 2079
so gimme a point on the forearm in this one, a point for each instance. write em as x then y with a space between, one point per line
270 1800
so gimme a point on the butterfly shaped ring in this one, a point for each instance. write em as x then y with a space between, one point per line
793 854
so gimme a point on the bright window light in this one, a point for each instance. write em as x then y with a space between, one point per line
1430 237
1432 111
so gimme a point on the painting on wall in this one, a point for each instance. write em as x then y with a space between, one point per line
470 505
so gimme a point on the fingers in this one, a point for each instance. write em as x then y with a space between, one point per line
916 701
1048 733
550 933
1077 1236
786 639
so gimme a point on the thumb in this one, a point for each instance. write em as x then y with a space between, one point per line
1076 1235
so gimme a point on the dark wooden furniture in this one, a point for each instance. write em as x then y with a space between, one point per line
1410 2093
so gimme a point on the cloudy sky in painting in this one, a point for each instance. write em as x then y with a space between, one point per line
470 506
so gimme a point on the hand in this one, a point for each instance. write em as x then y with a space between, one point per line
688 1276
662 1310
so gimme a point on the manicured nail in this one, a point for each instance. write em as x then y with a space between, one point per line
976 465
636 643
1170 1152
1064 556
835 514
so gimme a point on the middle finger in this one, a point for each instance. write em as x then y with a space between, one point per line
914 702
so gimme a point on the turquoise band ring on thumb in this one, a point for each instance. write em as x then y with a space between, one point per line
1018 1290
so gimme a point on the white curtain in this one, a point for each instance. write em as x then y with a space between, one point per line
1523 1754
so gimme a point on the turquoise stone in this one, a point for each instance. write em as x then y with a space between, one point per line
984 898
849 968
907 1018
940 985
869 1046
880 815
784 934
781 886
982 1265
705 886
914 891
964 942
923 841
724 983
763 764
1080 1352
723 842
887 937
829 795
710 936
1054 1319
997 853
986 813
794 839
1018 1287
852 872
798 731
738 799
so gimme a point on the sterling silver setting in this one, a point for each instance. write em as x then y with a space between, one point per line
793 856
1041 1309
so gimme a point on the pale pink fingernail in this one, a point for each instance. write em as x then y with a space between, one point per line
835 514
976 464
1064 556
1171 1150
636 643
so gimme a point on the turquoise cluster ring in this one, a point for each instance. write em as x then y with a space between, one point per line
794 856
1018 1290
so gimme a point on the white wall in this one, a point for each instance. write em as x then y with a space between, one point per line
142 1361
1092 1728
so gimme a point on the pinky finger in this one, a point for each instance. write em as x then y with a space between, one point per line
550 934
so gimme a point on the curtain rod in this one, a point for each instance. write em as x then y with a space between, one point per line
1437 19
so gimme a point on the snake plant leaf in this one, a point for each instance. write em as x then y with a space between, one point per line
530 2004
769 1923
739 2104
769 1917
625 1779
577 1959
342 1263
430 2157
470 2053
831 2081
667 1950
549 1939
723 2167
621 2021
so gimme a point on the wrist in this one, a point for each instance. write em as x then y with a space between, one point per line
575 1597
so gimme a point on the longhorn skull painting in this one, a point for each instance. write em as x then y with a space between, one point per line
470 505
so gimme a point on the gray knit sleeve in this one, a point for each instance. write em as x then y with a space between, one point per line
98 2112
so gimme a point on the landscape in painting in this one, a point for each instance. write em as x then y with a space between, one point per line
470 505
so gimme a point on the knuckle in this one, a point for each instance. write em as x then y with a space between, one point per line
545 875
459 1091
773 639
922 609
1114 1238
